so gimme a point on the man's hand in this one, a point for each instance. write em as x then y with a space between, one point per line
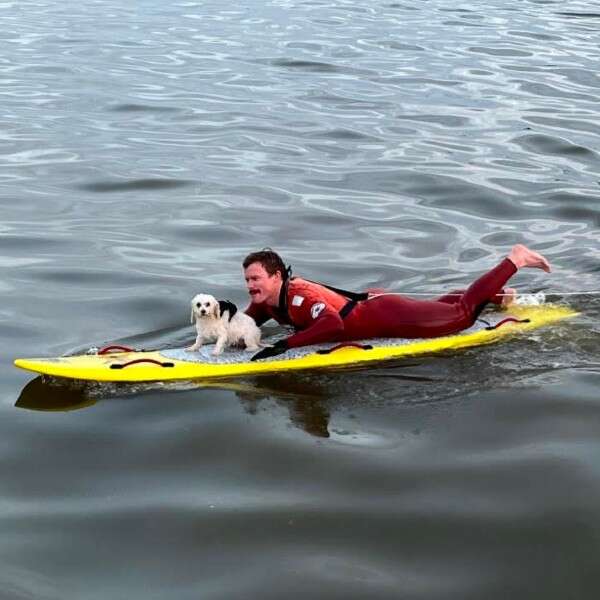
275 350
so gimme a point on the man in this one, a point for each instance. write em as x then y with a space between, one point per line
323 314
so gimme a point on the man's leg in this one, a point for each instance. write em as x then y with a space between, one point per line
489 285
392 315
452 297
505 297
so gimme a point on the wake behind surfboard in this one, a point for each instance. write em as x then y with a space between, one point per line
177 363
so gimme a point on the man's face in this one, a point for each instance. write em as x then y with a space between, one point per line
261 286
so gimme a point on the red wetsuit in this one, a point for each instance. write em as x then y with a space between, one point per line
314 311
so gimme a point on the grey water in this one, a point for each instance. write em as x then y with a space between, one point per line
147 147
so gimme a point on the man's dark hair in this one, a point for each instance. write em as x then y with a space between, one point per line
270 260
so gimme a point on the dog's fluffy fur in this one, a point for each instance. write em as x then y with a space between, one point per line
220 321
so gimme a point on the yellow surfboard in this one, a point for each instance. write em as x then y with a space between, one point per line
172 364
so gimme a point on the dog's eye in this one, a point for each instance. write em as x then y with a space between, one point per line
198 305
207 304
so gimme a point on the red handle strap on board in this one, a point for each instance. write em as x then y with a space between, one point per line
346 345
114 349
141 360
507 320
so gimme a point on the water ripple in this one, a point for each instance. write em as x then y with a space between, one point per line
147 148
137 184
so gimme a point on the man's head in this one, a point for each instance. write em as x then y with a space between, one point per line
264 272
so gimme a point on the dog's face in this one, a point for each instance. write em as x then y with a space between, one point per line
204 306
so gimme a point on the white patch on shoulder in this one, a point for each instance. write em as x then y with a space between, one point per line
316 309
297 300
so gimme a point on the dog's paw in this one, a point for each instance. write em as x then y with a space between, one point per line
192 349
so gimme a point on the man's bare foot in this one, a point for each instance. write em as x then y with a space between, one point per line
376 291
522 256
509 297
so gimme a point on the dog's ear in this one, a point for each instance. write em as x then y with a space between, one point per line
217 310
228 305
192 316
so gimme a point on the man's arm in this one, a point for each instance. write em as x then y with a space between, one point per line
319 322
258 313
327 327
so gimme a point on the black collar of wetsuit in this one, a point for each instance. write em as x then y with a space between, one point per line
282 305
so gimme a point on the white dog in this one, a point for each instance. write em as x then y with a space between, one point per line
220 320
